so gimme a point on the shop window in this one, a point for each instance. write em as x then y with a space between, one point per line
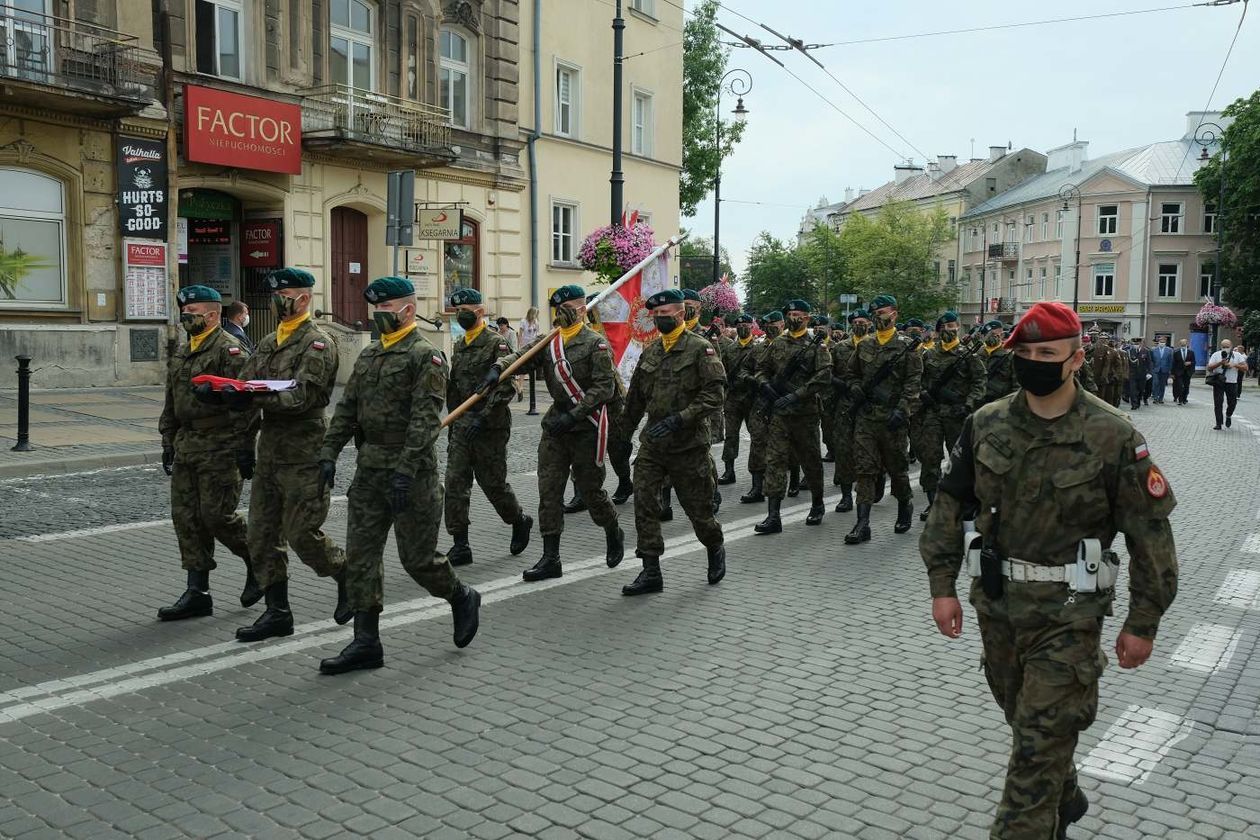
32 240
461 260
219 38
455 76
351 60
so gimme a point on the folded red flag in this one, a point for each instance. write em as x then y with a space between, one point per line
224 383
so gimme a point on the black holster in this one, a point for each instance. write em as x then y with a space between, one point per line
991 580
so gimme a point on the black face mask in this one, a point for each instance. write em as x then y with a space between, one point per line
566 317
917 335
797 324
743 331
283 306
773 330
192 324
466 319
860 330
665 324
948 336
1037 377
386 322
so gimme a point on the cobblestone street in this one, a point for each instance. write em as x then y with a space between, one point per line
808 695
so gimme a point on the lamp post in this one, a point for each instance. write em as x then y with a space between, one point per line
617 180
1068 192
1206 135
737 82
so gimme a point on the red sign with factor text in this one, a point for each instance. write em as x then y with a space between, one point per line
260 244
145 253
242 131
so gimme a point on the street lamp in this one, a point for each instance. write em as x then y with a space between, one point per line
1068 192
737 82
1206 135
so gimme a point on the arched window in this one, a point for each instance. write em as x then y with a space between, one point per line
352 36
455 76
32 240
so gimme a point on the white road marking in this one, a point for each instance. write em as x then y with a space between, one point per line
1241 588
1207 648
48 476
1251 545
1132 746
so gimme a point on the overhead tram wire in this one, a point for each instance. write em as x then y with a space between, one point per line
1215 85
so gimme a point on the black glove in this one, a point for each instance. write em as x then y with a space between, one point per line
490 380
205 393
400 492
245 463
665 427
895 420
473 428
748 380
558 422
786 401
769 394
237 400
925 399
327 472
168 459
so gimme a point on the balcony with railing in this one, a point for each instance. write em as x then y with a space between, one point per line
64 64
339 119
1004 252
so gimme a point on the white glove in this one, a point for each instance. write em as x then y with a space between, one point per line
1148 376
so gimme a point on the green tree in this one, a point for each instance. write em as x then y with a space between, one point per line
695 263
1238 161
704 62
896 253
824 254
776 273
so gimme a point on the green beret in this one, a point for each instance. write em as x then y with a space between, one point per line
665 298
197 294
745 318
291 278
915 322
859 313
564 294
901 325
773 315
387 288
465 297
799 304
820 321
950 317
691 294
995 324
880 301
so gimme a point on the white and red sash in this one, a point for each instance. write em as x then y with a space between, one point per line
564 374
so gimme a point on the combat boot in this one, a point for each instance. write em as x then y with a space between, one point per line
862 528
931 497
342 612
577 504
794 482
717 564
649 580
252 593
846 499
816 510
459 554
881 485
194 603
835 479
717 501
277 620
905 512
754 496
466 613
625 489
364 651
1071 811
728 476
772 524
667 506
521 529
829 457
615 546
548 566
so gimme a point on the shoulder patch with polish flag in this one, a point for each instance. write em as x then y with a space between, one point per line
437 360
1140 451
234 351
708 351
1156 484
318 345
603 346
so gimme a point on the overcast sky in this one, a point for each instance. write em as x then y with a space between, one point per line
1120 82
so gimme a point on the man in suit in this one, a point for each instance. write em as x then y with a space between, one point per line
1182 369
235 320
1161 367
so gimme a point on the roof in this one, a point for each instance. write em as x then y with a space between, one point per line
921 186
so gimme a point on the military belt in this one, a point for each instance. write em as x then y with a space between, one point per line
386 438
214 421
275 419
1021 571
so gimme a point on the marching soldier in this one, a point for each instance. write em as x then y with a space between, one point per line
793 373
953 387
998 373
577 366
821 325
207 451
842 429
758 424
885 377
739 358
289 498
1086 372
692 307
477 441
1055 473
678 383
393 402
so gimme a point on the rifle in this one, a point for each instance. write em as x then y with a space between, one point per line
864 392
789 370
730 374
935 390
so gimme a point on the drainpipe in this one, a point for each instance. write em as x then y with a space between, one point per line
533 157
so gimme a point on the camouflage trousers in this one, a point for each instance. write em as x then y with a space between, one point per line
738 413
484 458
792 439
691 473
205 489
557 456
842 445
1112 392
1045 678
877 450
932 431
287 503
827 422
415 534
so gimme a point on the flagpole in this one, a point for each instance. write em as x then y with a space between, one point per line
540 343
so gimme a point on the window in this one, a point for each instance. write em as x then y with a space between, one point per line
32 240
1207 274
566 100
990 184
1041 285
648 7
1010 233
1028 229
1170 218
350 59
1045 226
461 260
563 233
455 71
641 128
975 240
1168 280
1209 218
1058 225
1105 280
218 37
953 272
1108 219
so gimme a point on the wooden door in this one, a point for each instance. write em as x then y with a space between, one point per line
349 266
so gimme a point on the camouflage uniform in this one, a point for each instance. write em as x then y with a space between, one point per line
758 422
827 403
843 419
1086 374
484 456
999 373
739 362
878 449
792 433
288 502
953 387
393 402
206 483
1118 370
1084 475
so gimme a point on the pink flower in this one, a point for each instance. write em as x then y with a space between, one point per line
611 251
1212 314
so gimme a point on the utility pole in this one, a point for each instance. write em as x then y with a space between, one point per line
618 179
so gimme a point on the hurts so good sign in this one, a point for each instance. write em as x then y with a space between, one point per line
242 131
142 183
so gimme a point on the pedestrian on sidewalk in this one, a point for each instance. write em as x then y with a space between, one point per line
504 328
235 320
1040 609
1182 371
1161 368
207 450
1225 369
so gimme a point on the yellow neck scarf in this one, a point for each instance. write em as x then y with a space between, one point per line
856 339
949 345
195 341
990 350
567 333
797 333
885 336
668 340
388 340
744 342
288 328
691 323
471 335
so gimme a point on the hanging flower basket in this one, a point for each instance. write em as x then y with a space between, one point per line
1213 315
719 300
612 251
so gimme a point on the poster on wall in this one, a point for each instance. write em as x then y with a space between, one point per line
144 280
142 182
181 240
260 244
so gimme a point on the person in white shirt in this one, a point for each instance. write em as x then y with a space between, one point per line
1232 365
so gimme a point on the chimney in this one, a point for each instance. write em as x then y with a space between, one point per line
996 153
947 163
934 170
1194 119
903 172
862 193
848 194
1071 156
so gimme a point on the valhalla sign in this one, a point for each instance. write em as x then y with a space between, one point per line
247 132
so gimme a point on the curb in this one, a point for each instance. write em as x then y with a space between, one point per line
47 466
